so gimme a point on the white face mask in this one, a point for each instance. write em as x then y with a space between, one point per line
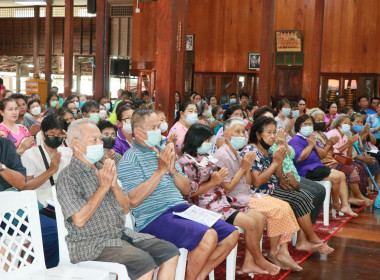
103 113
127 127
164 127
36 111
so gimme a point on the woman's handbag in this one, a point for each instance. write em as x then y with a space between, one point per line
289 182
342 159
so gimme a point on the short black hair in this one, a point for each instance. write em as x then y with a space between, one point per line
361 97
120 110
71 97
331 103
182 108
300 120
227 113
293 104
127 93
105 124
233 94
89 105
195 136
244 94
16 96
262 111
30 102
52 121
66 103
63 111
281 103
258 126
302 98
375 98
138 116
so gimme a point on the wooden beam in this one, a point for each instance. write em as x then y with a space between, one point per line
101 47
266 51
48 41
36 61
181 46
166 66
312 65
68 48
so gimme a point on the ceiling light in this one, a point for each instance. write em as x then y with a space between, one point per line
30 2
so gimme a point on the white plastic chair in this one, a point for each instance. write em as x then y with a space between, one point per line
64 258
21 245
182 260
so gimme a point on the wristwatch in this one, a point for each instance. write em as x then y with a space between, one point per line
3 167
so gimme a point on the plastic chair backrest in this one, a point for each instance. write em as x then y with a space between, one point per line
130 221
64 257
21 249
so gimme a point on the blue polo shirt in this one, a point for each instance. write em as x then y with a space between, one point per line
137 166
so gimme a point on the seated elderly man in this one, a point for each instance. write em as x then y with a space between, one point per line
12 177
156 185
94 208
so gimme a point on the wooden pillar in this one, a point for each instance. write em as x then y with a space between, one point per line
78 72
36 61
48 41
18 77
68 48
266 52
166 65
312 62
101 56
181 46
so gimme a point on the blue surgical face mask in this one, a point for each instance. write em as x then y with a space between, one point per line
76 104
295 113
108 106
357 128
191 119
81 104
94 153
205 148
154 138
95 117
53 103
233 101
237 142
285 112
307 130
219 117
345 128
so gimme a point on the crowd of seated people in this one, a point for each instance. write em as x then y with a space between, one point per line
258 168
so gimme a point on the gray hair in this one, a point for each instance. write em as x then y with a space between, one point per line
338 120
138 117
231 122
201 107
75 130
314 112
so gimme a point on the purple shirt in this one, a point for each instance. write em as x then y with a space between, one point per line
299 143
121 144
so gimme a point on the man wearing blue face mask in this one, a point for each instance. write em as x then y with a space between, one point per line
94 208
283 122
233 100
156 185
90 110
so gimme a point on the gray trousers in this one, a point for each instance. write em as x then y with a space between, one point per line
318 191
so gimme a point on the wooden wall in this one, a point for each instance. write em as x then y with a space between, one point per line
351 36
17 36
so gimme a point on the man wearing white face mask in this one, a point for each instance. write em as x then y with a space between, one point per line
124 139
94 207
283 122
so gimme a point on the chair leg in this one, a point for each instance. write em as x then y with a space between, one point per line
294 238
181 266
211 275
326 206
231 264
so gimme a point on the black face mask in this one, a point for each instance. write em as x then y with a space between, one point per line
264 144
320 126
108 142
53 142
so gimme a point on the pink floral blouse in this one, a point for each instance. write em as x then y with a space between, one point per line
214 199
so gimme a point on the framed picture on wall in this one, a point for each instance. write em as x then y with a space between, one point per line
289 41
253 61
190 42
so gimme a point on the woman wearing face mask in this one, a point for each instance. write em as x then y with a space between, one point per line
108 131
44 163
358 180
207 192
164 128
281 222
235 111
308 155
52 104
217 113
332 109
283 122
186 117
204 112
268 171
124 139
34 108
